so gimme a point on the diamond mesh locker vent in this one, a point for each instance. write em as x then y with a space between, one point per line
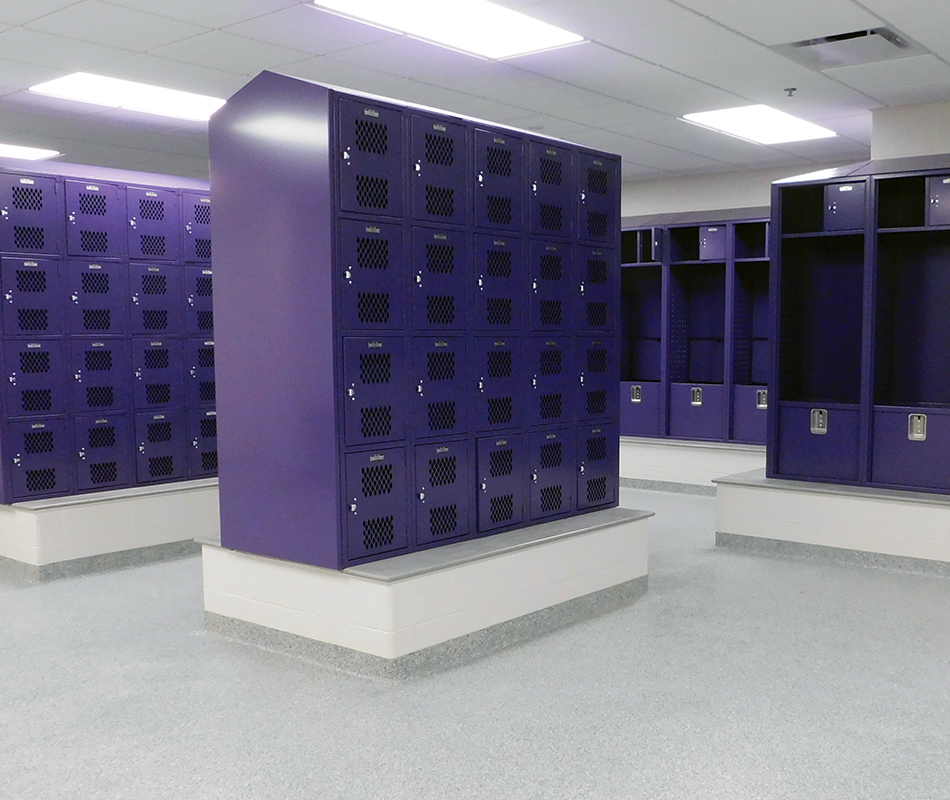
378 532
154 284
153 245
372 137
596 270
202 214
551 312
208 428
31 280
206 391
499 310
499 263
209 461
597 402
443 520
597 360
203 286
375 368
93 205
551 172
157 358
96 319
154 319
551 406
597 448
94 241
34 400
550 268
205 320
499 363
161 467
158 393
442 471
376 421
203 248
442 416
99 396
596 489
440 202
377 480
372 253
440 150
550 498
95 283
500 410
159 432
596 224
441 366
372 192
152 209
32 319
32 363
499 210
26 198
26 237
440 258
597 181
551 362
38 442
502 508
501 463
596 315
102 437
373 307
206 357
499 162
440 309
40 480
106 472
551 217
552 455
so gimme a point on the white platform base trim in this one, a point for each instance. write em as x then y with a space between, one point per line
45 532
400 606
901 524
685 462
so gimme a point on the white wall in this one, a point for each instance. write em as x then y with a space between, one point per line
916 130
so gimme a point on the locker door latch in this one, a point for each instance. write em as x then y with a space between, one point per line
819 421
917 427
636 393
696 396
762 398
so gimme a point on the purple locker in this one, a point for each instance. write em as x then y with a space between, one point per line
199 314
440 170
104 448
102 374
31 215
375 513
749 413
157 373
94 224
371 167
500 382
38 458
443 492
441 266
552 285
696 410
154 224
640 408
98 298
373 275
599 383
160 446
598 277
32 297
552 473
203 438
199 372
550 174
196 214
500 484
499 180
909 447
844 206
598 466
598 179
441 393
818 441
156 308
712 243
550 363
374 385
36 378
499 284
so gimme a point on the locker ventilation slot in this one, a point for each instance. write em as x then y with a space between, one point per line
551 312
40 480
376 421
95 283
596 224
440 202
206 391
551 217
596 490
501 463
550 498
203 248
203 286
378 532
440 258
500 410
499 210
372 192
372 137
442 416
154 284
28 238
499 264
372 253
373 307
442 471
499 363
551 362
32 363
499 310
552 406
99 396
32 319
377 480
208 428
94 241
597 448
38 442
551 172
107 472
375 368
597 360
440 150
96 319
209 461
159 432
499 162
152 209
206 357
597 181
596 315
34 400
205 320
203 214
153 245
159 358
102 437
551 456
440 309
441 366
158 393
26 198
31 280
550 268
502 508
596 271
93 205
597 402
443 520
154 319
161 467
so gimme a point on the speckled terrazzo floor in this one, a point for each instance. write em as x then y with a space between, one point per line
736 676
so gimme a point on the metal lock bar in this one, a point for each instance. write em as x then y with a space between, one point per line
636 393
819 421
762 398
917 427
696 396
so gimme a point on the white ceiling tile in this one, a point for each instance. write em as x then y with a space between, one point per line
58 52
305 27
551 126
910 95
711 8
901 11
210 13
674 45
175 75
225 51
347 76
901 73
594 19
856 127
16 75
700 98
932 32
840 148
18 12
779 23
425 94
405 57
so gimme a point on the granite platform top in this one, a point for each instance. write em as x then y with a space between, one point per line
696 444
131 493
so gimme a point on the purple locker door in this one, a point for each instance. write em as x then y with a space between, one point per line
200 387
203 436
440 170
371 161
552 473
372 274
551 365
598 468
441 268
499 284
500 382
38 458
31 215
154 224
640 408
599 382
157 373
696 410
196 213
374 387
499 180
199 313
102 375
32 297
36 378
550 174
909 447
818 442
712 243
94 224
443 492
375 513
500 483
598 277
749 413
844 206
441 391
103 452
160 446
598 179
156 299
552 285
98 299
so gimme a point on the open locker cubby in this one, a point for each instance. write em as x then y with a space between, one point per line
640 358
750 351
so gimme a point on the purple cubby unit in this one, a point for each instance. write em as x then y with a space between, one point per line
373 275
444 483
697 323
598 457
374 377
696 410
597 278
33 302
103 452
36 374
101 375
499 180
441 270
372 172
202 442
441 391
712 242
550 362
200 385
196 218
376 515
819 442
440 181
552 472
94 224
598 206
640 408
501 464
598 379
154 227
156 299
31 214
551 189
37 459
160 439
97 298
552 285
845 206
199 292
500 383
749 413
157 373
500 303
909 448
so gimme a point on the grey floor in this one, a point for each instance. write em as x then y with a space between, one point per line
737 676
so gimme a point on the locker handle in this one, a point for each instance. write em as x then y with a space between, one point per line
917 427
819 421
534 476
696 396
762 398
636 393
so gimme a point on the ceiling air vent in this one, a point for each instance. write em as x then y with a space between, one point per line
848 49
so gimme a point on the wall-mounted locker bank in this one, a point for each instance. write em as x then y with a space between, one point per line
416 327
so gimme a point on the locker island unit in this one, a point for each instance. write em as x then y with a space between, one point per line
416 325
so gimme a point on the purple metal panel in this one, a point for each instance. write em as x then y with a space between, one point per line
440 170
196 213
833 455
441 267
696 411
199 291
598 179
911 453
373 275
372 167
441 387
160 446
154 227
552 473
844 206
94 225
598 466
98 298
749 413
501 472
203 442
31 215
598 277
374 377
500 382
551 175
32 297
200 387
36 378
640 408
376 514
103 452
712 242
550 362
499 284
552 285
158 373
599 379
156 308
499 180
38 458
102 375
443 491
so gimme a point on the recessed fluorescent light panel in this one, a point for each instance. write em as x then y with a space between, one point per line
115 93
477 27
760 124
26 153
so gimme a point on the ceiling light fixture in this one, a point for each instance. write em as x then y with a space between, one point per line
26 153
759 124
115 93
476 27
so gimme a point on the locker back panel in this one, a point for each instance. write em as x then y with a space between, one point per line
499 284
375 513
199 291
157 373
441 387
101 375
499 180
441 268
550 362
35 378
31 215
598 183
552 285
160 446
94 224
443 491
156 307
552 473
598 466
371 159
103 451
202 442
551 177
500 383
33 303
373 276
196 217
38 458
500 483
374 401
98 298
154 226
440 170
598 278
200 389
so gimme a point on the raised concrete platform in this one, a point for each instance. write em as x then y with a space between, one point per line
391 609
878 527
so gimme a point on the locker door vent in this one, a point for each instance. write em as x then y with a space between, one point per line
500 410
206 391
499 210
203 286
206 357
551 312
551 268
152 209
375 368
551 406
597 360
551 172
597 181
440 258
372 192
499 162
31 280
502 508
597 402
159 358
153 245
209 461
596 315
107 472
442 416
597 448
161 466
96 319
376 421
93 205
373 307
102 437
203 248
441 366
154 284
34 400
26 237
154 320
596 224
499 363
159 432
372 253
551 362
378 532
499 263
95 283
551 217
551 455
40 480
499 310
38 442
440 201
443 520
440 150
501 463
205 320
440 309
26 198
32 363
596 271
377 480
202 214
32 319
442 471
209 428
596 489
550 498
99 396
94 241
158 393
372 137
